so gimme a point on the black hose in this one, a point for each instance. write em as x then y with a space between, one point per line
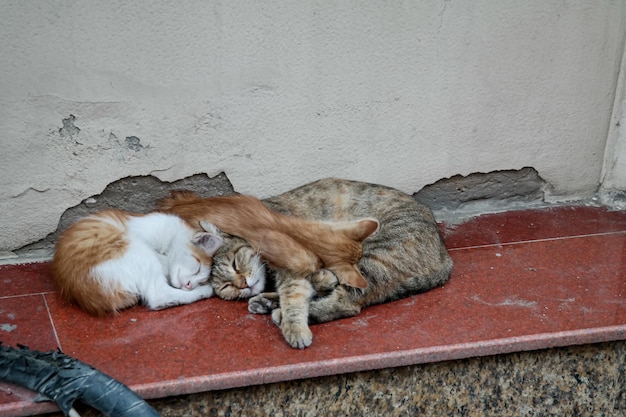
64 379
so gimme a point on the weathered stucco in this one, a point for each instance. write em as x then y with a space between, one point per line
613 182
275 94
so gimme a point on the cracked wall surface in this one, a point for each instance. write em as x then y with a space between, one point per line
278 94
613 183
133 194
482 192
488 191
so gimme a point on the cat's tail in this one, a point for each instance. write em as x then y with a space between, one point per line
177 198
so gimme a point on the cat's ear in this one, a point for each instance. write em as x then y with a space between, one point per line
360 229
350 275
368 227
210 227
208 242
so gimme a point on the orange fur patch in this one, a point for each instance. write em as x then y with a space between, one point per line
84 245
284 242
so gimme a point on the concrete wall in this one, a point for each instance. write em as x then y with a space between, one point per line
278 93
613 187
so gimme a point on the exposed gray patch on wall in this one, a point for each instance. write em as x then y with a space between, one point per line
136 194
613 198
484 191
68 129
133 143
478 192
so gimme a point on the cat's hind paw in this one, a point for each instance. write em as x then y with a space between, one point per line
260 304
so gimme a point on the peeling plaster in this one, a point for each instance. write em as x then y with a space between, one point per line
29 190
484 191
133 143
68 129
457 195
136 194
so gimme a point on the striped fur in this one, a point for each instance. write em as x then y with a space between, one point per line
406 256
238 271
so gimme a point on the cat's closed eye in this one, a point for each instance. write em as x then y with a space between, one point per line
199 266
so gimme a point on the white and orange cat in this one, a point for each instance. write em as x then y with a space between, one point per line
113 259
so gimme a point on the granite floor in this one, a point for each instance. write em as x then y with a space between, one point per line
572 381
523 280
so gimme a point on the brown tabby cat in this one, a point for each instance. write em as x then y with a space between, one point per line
406 256
238 270
290 243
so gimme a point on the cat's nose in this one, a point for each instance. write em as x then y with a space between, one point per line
188 285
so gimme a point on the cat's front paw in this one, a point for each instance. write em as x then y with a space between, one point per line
323 281
260 304
203 291
297 335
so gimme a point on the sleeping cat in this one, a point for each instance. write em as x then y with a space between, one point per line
238 270
406 256
240 273
112 259
285 242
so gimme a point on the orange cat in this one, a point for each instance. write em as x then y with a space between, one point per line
299 245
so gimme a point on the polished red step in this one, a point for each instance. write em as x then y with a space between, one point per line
523 280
